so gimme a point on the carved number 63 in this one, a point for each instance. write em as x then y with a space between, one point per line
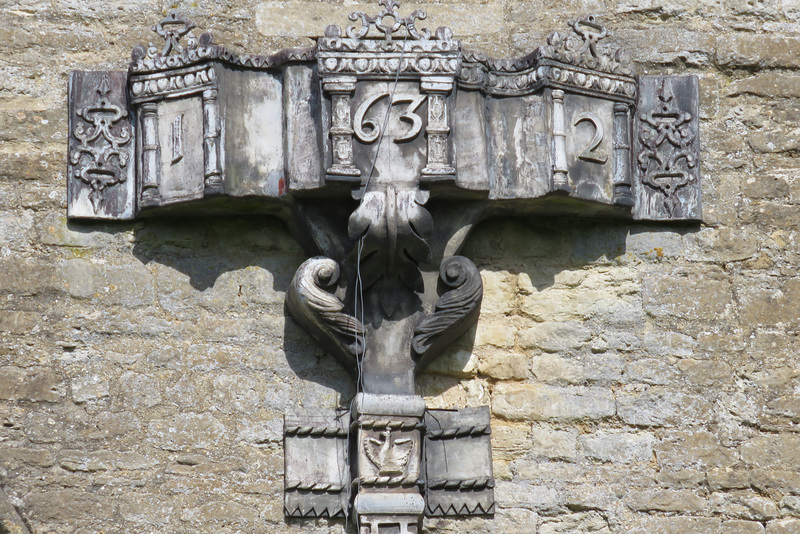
367 130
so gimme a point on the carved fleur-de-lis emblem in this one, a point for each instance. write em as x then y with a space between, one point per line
389 456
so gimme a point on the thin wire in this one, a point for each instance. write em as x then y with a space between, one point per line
359 286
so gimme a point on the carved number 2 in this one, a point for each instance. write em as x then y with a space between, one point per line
588 152
374 130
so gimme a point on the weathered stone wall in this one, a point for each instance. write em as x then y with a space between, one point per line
643 378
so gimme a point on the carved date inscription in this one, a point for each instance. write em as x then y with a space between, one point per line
589 152
368 130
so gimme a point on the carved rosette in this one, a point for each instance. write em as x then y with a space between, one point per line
321 313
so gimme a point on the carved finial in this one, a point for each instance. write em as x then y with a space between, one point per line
390 13
173 28
104 87
585 52
591 32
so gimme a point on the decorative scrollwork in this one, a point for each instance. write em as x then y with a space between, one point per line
667 158
586 53
456 310
320 312
390 11
100 158
173 28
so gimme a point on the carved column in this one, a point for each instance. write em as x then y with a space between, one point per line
150 159
211 133
560 178
438 130
622 155
341 90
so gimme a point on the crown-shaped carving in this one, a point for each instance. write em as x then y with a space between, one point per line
389 22
584 51
390 456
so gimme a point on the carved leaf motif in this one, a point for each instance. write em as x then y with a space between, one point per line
320 312
455 311
392 227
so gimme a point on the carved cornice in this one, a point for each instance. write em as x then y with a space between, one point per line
573 61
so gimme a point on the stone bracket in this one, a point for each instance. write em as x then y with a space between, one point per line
382 152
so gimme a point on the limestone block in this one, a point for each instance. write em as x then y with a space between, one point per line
682 501
534 402
784 526
556 336
32 384
187 431
618 448
772 451
554 444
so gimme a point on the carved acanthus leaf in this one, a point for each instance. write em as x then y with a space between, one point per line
392 228
456 310
320 312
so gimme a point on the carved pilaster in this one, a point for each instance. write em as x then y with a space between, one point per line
148 113
211 134
560 178
343 168
438 130
622 155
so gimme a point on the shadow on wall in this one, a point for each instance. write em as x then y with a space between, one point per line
242 266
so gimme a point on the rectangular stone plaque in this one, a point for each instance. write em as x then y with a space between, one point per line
100 173
458 460
315 460
666 149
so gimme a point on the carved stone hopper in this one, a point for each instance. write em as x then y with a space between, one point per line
382 147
